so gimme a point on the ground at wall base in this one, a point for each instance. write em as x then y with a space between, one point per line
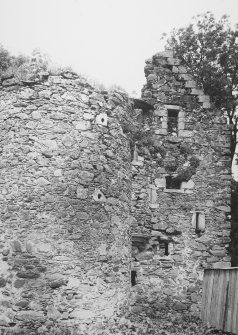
146 320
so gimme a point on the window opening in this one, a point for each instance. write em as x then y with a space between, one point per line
172 183
164 247
172 125
197 227
133 277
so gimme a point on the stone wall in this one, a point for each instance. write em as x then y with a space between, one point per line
81 171
65 204
181 189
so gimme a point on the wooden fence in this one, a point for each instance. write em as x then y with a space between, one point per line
220 299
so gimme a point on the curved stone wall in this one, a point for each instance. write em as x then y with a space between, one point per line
64 194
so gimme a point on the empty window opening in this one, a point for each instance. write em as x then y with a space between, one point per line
164 248
172 122
199 223
99 196
133 277
172 183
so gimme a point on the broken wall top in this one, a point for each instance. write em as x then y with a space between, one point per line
169 82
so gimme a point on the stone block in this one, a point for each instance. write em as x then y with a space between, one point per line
82 314
83 125
175 69
221 265
154 206
160 226
190 84
195 297
27 93
99 196
187 184
16 246
88 116
166 53
218 253
173 61
204 98
29 246
188 191
85 177
152 78
174 107
82 193
36 115
69 97
4 321
181 125
160 112
67 140
179 306
206 105
196 91
56 283
174 139
185 133
164 124
182 69
3 282
19 283
101 119
226 209
160 182
168 190
42 181
137 163
53 313
30 316
58 173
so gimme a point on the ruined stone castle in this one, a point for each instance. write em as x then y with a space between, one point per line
106 200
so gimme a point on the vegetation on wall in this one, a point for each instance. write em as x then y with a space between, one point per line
147 145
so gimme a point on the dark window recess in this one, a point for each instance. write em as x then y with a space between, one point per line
164 247
197 229
172 183
133 277
172 122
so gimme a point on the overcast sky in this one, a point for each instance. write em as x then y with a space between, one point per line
107 40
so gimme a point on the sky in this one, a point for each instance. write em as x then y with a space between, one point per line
105 40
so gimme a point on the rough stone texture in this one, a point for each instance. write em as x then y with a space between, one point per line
169 252
82 171
65 204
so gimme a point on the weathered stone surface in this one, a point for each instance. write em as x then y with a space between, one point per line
3 282
66 196
56 283
16 246
83 125
179 306
180 220
82 193
53 313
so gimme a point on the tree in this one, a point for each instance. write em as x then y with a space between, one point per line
22 67
9 62
209 48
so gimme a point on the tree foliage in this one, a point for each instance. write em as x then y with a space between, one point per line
209 48
22 66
